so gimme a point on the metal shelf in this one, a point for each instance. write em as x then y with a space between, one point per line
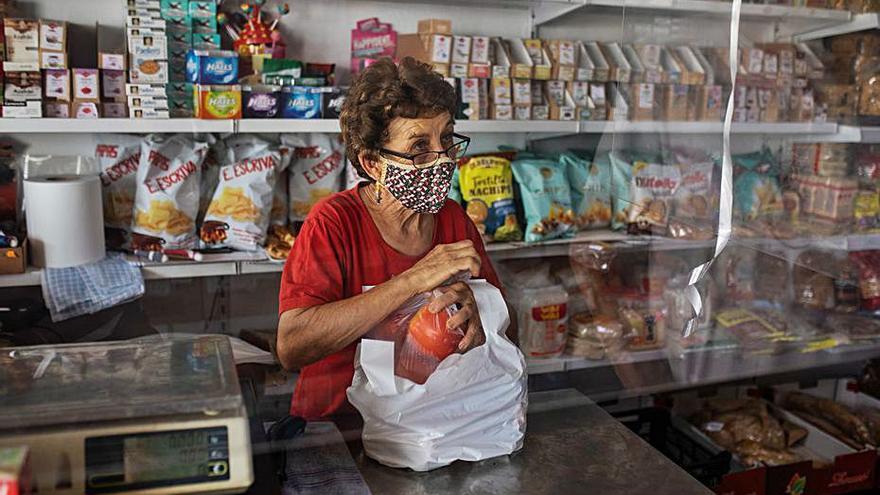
91 126
287 125
858 22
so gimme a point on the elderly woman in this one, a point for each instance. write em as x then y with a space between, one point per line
397 233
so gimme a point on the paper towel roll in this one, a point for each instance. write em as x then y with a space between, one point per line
65 220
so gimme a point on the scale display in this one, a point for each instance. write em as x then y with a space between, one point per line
149 460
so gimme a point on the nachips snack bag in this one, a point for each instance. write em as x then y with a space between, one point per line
167 198
486 186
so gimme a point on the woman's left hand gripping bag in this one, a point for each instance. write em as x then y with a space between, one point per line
472 407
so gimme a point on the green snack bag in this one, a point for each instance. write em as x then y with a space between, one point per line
487 189
546 199
756 191
590 190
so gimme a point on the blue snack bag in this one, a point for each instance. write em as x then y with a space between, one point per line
212 67
546 199
590 190
756 191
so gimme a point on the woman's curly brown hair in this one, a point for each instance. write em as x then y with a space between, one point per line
384 91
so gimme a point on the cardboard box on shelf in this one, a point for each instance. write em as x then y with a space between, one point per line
442 69
22 110
619 68
151 102
473 96
112 84
521 64
53 60
480 49
785 55
22 37
705 65
501 91
542 68
461 49
155 72
458 70
522 112
563 57
673 72
501 112
85 110
601 68
522 91
500 58
541 112
114 110
432 48
536 90
13 261
22 87
768 102
649 54
53 35
637 70
152 90
481 71
580 92
148 113
371 40
564 109
56 109
86 85
694 72
434 26
56 84
597 94
815 68
585 67
673 102
641 98
752 59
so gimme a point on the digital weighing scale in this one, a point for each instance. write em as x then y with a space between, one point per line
157 415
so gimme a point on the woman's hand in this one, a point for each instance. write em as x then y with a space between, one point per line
468 316
441 264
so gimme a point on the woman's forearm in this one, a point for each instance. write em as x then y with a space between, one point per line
309 334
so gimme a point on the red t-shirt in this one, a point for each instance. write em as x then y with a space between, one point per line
338 252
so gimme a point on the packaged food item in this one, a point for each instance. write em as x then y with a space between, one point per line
643 193
846 286
759 331
315 172
280 197
868 263
218 102
486 185
300 102
590 183
218 154
835 418
261 102
866 211
86 85
238 215
212 67
167 197
543 314
279 241
119 157
593 337
813 285
644 320
756 189
546 199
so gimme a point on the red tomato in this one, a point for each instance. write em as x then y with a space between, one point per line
430 332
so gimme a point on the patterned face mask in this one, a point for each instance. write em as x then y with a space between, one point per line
422 190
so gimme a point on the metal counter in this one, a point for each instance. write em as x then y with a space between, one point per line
571 446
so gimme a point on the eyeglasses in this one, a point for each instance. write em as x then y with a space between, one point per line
430 158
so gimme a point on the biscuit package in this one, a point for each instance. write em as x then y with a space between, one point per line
590 190
167 198
238 216
316 171
694 201
118 156
486 186
756 191
546 198
643 194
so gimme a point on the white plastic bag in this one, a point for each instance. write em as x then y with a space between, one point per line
472 407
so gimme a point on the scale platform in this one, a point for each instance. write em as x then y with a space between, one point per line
156 415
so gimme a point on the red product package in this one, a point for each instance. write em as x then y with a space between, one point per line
868 263
371 40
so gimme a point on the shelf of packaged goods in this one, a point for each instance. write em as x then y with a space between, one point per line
781 128
134 126
844 134
858 22
544 14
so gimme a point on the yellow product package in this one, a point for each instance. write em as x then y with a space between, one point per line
486 184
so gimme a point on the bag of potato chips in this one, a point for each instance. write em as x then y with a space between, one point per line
167 199
590 190
546 198
316 171
238 215
643 192
118 156
486 187
280 198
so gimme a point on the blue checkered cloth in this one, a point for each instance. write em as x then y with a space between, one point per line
86 289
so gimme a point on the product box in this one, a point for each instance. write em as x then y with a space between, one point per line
85 110
480 71
173 5
470 97
637 70
22 39
542 68
212 67
205 41
56 109
480 49
371 40
152 102
149 113
752 59
199 9
597 94
673 102
696 75
564 109
461 49
53 60
585 68
20 87
112 84
150 90
500 60
180 37
580 92
434 26
15 465
300 102
430 48
56 84
458 71
521 64
672 70
147 48
501 91
331 103
563 56
501 112
705 65
114 110
642 98
217 102
649 57
86 85
22 110
53 35
149 72
522 91
619 68
768 103
204 25
143 22
541 112
536 90
177 22
601 68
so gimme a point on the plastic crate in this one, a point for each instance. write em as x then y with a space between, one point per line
655 426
